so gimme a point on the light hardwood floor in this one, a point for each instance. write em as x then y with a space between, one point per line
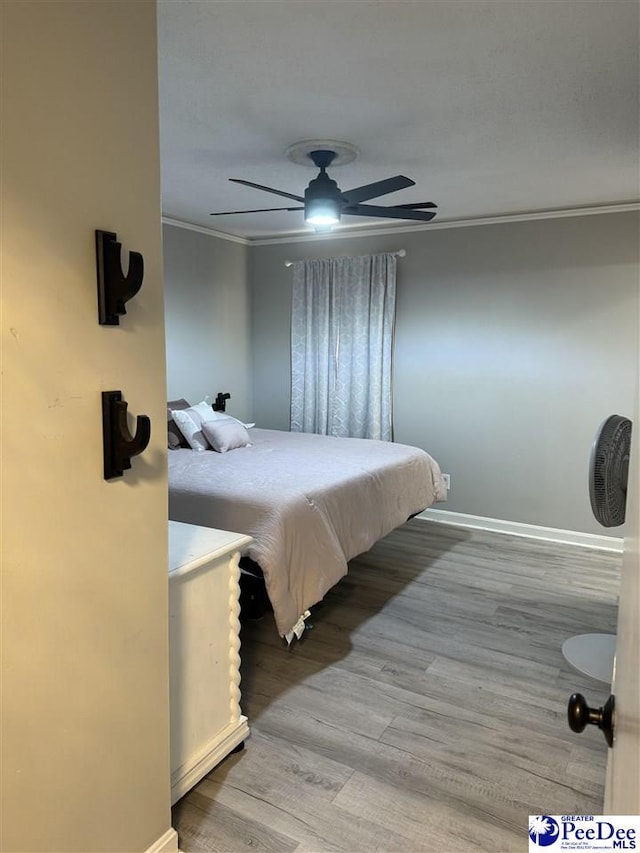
425 710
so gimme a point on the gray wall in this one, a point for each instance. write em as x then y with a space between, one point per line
513 343
207 318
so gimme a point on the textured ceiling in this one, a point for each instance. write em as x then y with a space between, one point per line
491 106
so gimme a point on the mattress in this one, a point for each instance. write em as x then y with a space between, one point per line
310 502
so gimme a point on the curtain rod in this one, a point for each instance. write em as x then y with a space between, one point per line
399 253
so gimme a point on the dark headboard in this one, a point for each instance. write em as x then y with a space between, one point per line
175 439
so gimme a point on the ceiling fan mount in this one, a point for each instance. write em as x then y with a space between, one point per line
322 158
324 202
300 152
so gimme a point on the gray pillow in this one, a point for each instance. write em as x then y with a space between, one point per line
225 434
175 442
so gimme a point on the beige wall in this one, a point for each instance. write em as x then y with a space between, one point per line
84 604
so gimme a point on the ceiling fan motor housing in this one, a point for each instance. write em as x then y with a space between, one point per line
322 198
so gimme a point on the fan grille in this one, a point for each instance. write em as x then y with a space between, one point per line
609 470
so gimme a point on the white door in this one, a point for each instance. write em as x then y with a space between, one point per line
622 792
85 734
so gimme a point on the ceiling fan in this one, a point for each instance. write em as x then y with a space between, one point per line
324 203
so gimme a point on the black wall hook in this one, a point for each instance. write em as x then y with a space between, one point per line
119 444
114 288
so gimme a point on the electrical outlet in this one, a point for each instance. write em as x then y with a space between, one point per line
447 480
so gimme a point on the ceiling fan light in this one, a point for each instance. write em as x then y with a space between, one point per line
322 211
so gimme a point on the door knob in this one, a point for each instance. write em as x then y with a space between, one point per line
580 715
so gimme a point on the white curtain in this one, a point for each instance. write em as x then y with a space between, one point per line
342 321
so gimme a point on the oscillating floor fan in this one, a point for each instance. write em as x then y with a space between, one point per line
593 654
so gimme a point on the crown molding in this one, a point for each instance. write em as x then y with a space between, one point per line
210 232
383 231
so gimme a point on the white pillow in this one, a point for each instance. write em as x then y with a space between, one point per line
190 429
203 409
225 433
194 416
216 416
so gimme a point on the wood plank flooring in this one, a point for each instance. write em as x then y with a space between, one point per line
425 710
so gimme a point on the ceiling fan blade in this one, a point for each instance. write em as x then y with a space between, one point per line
257 210
388 212
389 185
267 189
416 205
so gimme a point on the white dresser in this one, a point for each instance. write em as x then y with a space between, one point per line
204 650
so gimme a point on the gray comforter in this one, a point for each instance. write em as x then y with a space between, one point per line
310 502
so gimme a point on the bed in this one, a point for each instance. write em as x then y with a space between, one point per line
310 502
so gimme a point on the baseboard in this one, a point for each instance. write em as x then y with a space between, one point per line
167 843
531 531
185 777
